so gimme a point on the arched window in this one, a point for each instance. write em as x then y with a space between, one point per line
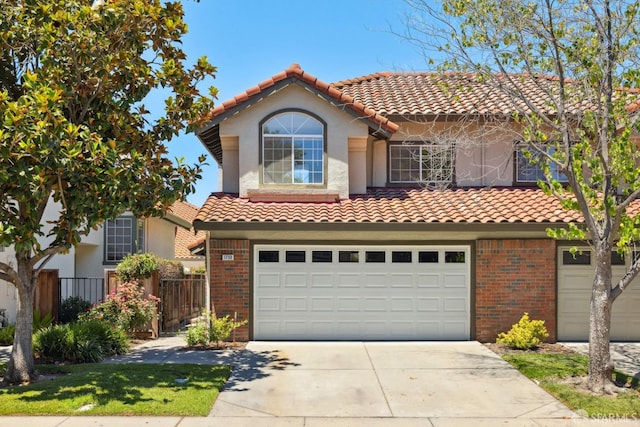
292 149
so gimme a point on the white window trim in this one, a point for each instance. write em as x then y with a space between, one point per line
421 145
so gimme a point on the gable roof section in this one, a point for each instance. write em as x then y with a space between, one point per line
208 134
185 236
397 205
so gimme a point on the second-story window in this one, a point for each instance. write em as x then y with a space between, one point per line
529 169
123 236
293 149
421 162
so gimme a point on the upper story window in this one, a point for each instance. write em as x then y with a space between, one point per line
293 149
528 168
421 162
123 236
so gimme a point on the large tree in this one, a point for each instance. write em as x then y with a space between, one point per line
583 56
75 134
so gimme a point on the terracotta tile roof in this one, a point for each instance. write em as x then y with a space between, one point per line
385 205
450 93
184 238
294 71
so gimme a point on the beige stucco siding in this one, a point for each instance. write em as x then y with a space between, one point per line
484 155
340 127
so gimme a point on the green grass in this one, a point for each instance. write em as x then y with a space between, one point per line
118 389
549 369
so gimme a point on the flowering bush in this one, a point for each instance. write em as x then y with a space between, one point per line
137 266
126 308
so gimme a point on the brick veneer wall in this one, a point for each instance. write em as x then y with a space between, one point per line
230 291
514 276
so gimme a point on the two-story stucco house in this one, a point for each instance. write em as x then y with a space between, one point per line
376 209
83 271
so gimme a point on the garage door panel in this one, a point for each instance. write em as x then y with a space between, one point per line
322 304
321 280
268 280
574 296
428 280
348 280
455 281
400 294
295 280
402 304
375 304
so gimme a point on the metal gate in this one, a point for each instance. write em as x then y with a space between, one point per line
88 288
181 301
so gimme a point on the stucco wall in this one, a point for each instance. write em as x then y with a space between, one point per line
340 126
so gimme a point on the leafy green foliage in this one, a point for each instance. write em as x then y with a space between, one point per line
524 335
75 131
6 334
126 308
220 328
169 269
71 308
80 342
137 266
210 329
40 321
197 334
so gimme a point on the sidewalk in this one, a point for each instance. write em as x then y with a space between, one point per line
271 368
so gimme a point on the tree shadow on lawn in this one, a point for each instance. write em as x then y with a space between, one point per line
124 384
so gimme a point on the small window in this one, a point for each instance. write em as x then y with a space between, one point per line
451 257
268 256
295 256
421 162
616 258
401 256
580 258
349 256
322 256
428 256
529 168
123 236
374 256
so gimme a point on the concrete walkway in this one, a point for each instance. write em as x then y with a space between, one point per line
351 384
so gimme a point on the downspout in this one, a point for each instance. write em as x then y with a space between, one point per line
208 270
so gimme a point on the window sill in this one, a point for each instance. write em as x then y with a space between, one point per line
293 195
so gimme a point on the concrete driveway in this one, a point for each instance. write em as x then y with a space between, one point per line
461 380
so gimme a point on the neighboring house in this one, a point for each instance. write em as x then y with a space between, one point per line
84 270
371 209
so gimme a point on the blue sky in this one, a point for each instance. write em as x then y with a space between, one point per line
251 40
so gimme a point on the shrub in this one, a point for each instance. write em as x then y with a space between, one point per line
197 334
80 342
210 329
221 328
125 308
71 308
525 334
168 269
137 267
6 335
40 321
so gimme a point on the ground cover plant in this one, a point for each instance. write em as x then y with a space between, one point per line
117 389
564 376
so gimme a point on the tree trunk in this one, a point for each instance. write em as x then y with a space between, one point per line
600 363
21 366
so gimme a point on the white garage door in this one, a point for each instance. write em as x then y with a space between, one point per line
575 278
361 293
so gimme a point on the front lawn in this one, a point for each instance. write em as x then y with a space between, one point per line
554 373
118 389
